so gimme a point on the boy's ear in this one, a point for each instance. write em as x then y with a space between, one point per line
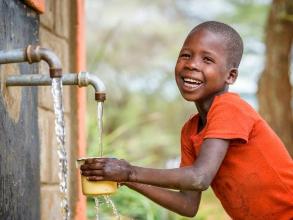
232 76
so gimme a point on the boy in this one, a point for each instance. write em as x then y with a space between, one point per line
226 145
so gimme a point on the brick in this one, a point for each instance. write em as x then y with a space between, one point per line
62 10
56 44
45 98
50 202
66 98
49 159
47 19
60 47
72 149
47 143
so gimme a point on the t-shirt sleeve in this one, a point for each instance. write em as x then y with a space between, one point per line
230 119
187 150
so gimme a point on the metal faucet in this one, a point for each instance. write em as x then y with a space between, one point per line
81 79
32 54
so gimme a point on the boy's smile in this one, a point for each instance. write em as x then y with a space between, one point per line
191 84
201 70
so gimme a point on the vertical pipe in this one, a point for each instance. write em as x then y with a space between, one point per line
80 61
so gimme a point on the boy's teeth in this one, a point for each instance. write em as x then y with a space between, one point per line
191 85
188 80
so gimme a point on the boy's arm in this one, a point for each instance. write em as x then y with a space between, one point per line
196 177
185 203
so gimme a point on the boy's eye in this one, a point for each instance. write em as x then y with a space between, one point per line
208 60
184 55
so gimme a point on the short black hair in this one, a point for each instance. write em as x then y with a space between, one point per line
233 40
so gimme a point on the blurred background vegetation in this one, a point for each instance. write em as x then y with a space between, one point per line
133 46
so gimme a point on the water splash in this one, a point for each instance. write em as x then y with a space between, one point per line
97 207
61 151
111 204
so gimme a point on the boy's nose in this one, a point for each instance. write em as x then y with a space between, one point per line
193 64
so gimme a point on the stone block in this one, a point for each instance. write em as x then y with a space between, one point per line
62 24
66 98
48 18
50 202
60 47
45 98
47 143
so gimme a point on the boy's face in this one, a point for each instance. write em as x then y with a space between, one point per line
201 70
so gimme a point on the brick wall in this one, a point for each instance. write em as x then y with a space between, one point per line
56 28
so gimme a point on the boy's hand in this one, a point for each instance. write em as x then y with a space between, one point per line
106 169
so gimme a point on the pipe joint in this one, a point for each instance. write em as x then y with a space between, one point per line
84 79
36 54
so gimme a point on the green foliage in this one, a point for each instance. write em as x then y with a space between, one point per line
132 205
141 208
136 126
248 14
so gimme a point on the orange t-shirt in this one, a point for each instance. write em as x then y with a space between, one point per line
255 180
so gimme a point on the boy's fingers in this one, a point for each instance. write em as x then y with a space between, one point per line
92 173
88 161
95 160
92 166
99 160
95 178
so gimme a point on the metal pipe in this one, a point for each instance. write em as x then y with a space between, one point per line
32 54
13 56
39 80
85 79
81 79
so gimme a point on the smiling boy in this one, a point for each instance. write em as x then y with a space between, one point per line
227 145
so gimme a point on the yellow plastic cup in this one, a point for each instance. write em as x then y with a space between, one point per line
95 188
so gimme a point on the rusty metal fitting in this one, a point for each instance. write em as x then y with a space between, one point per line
83 79
101 97
55 73
33 54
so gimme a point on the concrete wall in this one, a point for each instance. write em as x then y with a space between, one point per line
19 135
57 32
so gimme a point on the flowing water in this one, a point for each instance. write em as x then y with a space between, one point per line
61 151
100 127
97 207
107 198
111 204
